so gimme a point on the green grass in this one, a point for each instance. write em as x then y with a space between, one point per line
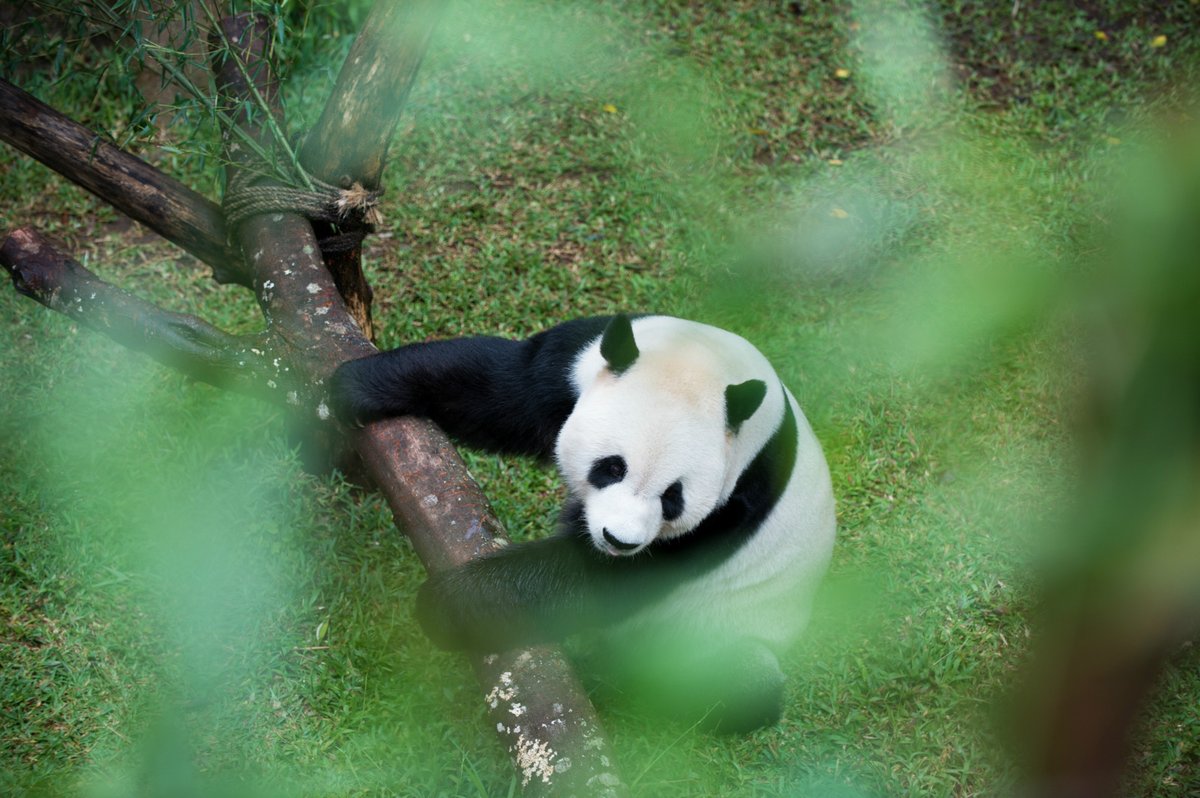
184 611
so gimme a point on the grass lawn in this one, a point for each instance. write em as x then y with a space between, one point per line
907 209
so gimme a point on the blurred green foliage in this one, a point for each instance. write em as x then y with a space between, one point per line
950 225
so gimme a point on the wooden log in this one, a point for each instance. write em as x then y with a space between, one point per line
534 701
133 186
350 140
248 364
556 741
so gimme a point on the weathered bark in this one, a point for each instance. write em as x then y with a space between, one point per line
133 186
537 706
539 709
534 701
349 142
248 364
345 266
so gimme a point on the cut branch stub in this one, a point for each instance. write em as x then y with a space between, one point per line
133 186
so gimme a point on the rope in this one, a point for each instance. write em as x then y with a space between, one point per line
326 202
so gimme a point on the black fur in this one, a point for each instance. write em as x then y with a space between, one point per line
672 501
490 393
607 471
514 397
741 401
548 589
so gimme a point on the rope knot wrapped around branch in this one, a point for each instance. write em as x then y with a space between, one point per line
246 197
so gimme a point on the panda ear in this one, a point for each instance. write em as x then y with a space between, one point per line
741 401
617 345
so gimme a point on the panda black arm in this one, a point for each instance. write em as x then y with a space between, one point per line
490 393
536 592
524 594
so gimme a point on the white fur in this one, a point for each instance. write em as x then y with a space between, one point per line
666 416
765 590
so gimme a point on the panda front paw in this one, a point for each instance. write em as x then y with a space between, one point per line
472 608
347 397
436 603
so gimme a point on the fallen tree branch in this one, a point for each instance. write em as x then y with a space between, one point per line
131 185
246 364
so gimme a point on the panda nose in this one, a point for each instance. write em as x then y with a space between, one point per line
617 543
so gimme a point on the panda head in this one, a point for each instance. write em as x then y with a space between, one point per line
651 447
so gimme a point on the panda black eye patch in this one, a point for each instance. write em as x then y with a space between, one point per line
672 501
607 471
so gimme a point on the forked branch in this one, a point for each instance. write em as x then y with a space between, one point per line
558 745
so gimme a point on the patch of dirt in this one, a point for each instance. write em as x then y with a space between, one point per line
996 52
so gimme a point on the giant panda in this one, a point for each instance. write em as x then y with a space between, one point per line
699 517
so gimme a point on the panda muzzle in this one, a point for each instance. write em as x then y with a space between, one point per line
617 543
